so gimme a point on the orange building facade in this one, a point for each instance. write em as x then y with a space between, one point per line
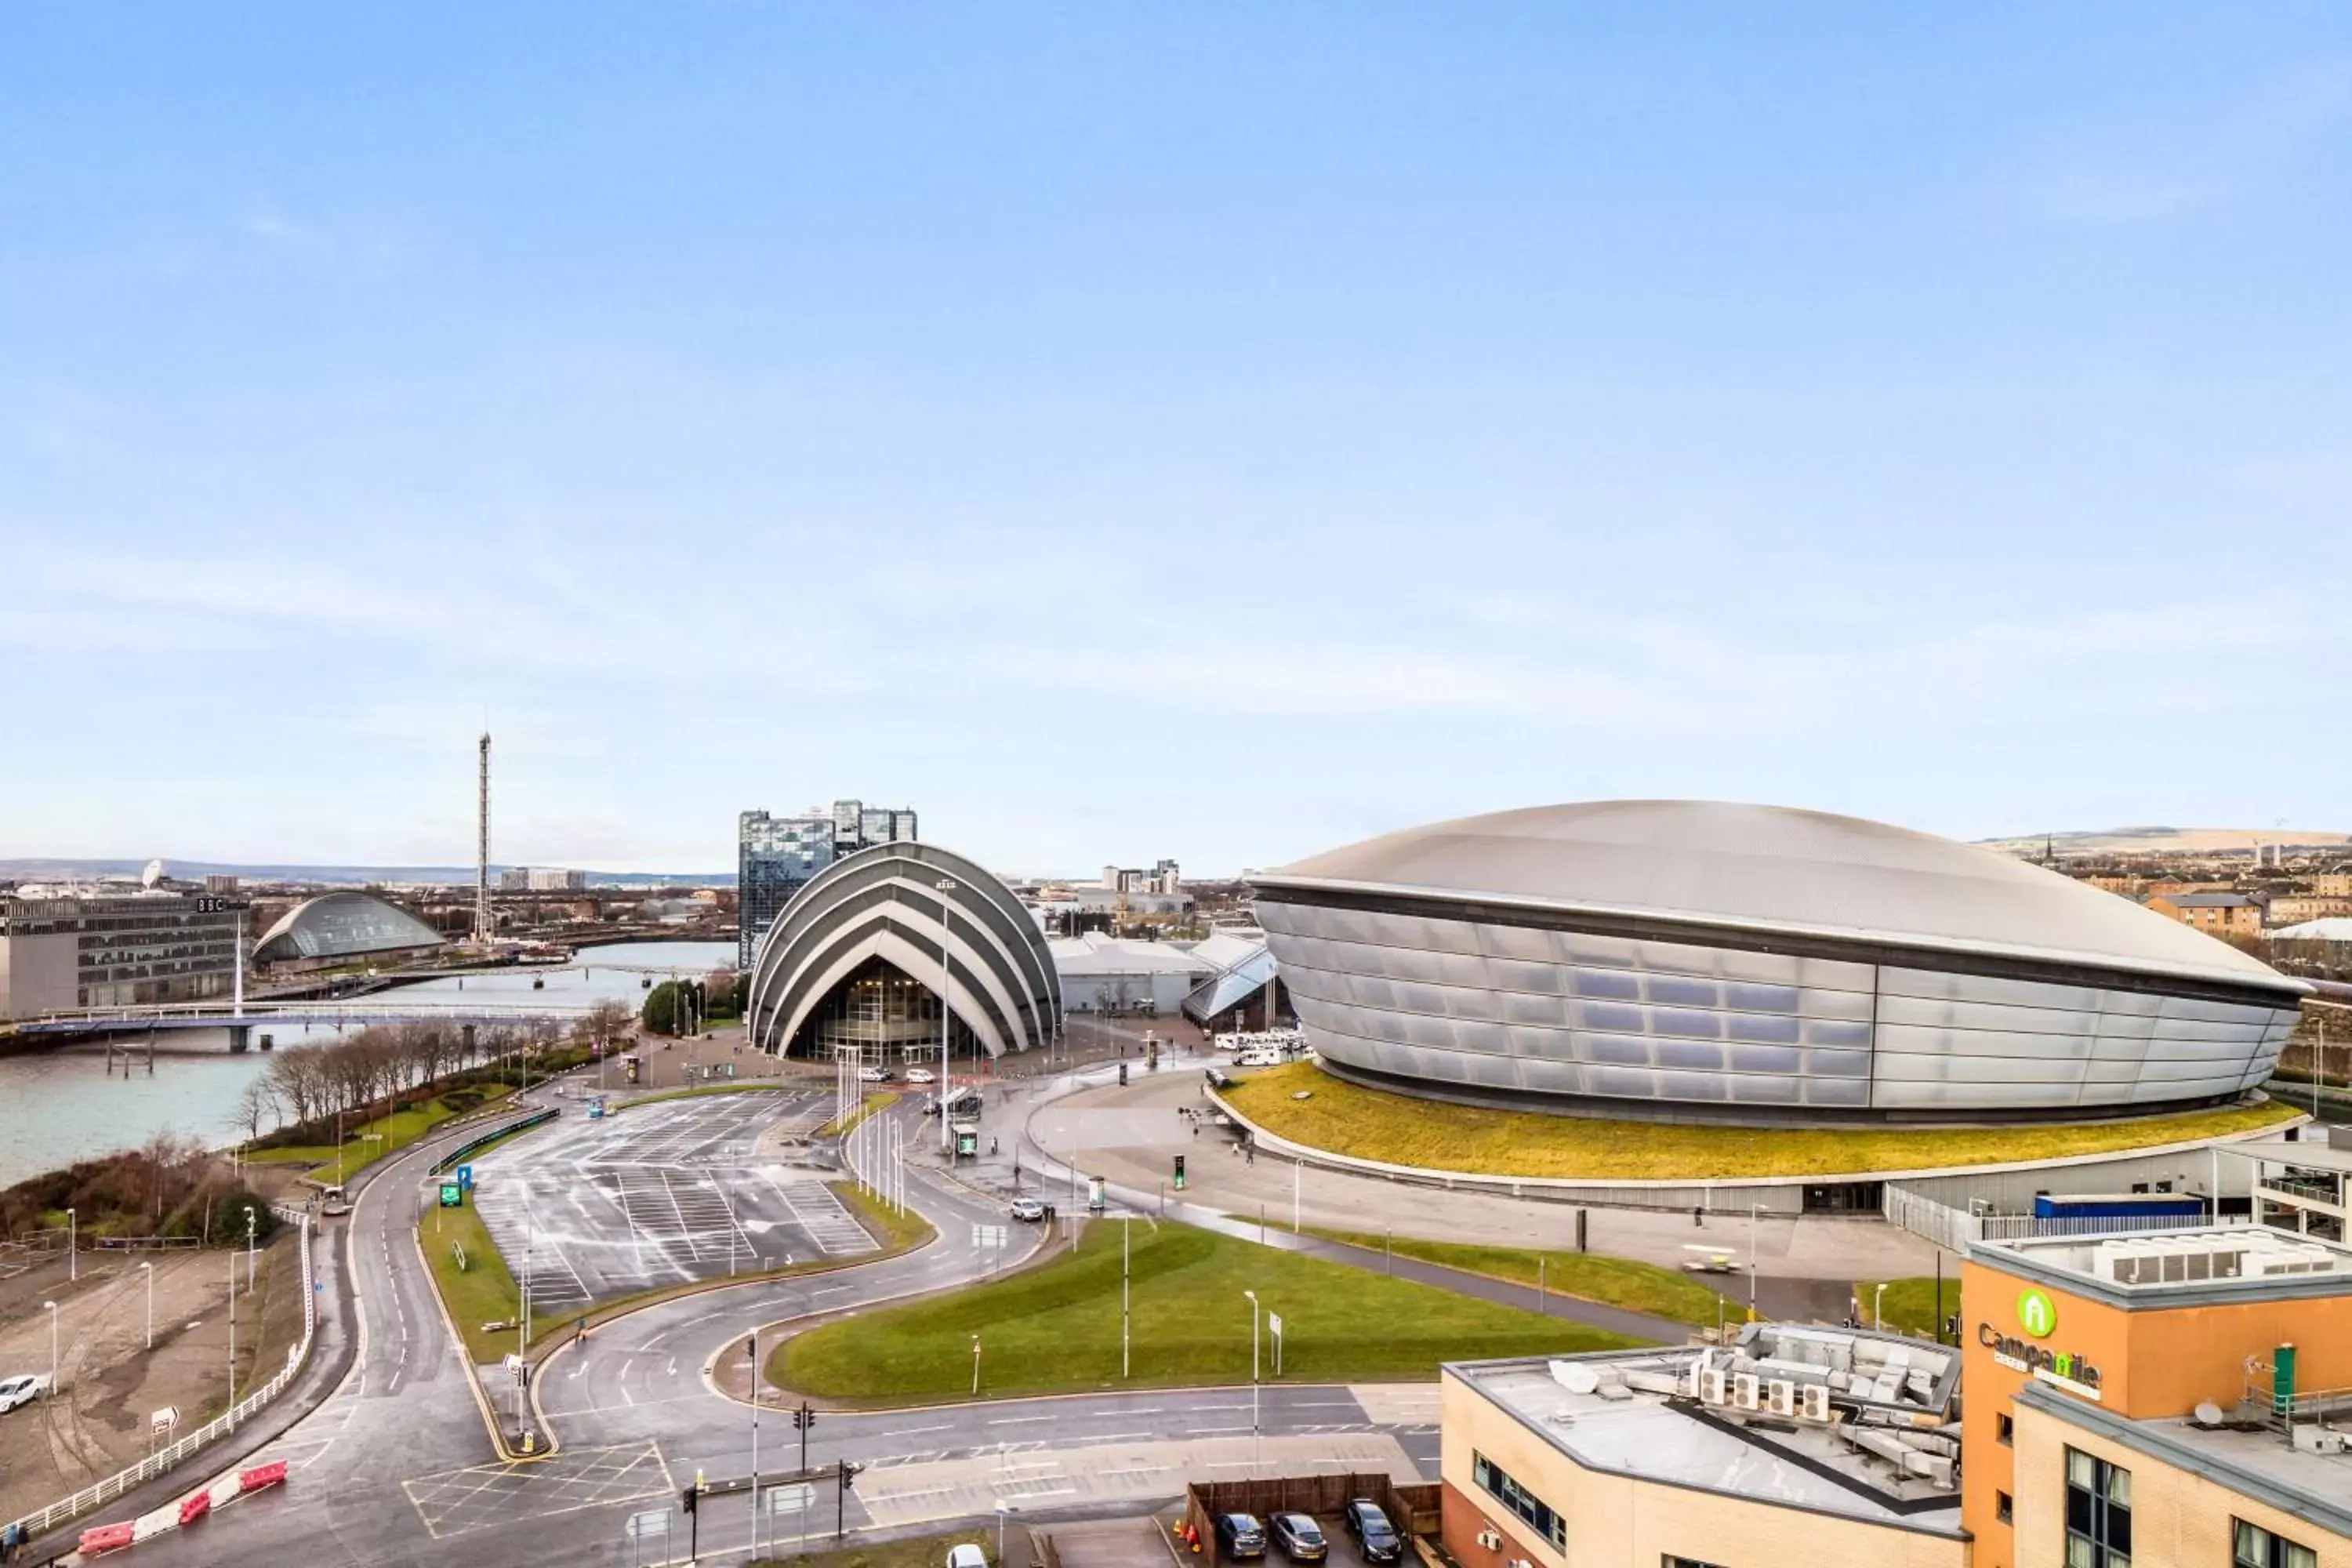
2085 1362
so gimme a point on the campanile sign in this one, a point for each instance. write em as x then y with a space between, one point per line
2037 1319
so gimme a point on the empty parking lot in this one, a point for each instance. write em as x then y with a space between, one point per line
660 1194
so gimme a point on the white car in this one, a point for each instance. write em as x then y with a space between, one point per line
22 1389
966 1556
875 1075
921 1075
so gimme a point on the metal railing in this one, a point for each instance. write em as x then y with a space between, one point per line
1952 1229
40 1522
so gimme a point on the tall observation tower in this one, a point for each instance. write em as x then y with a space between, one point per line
483 930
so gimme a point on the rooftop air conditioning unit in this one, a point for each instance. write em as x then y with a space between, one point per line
1745 1389
2319 1441
1492 1540
1780 1397
1711 1383
1814 1401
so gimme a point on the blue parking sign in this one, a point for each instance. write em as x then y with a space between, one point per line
465 1178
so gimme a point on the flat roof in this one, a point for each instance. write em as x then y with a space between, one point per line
2258 1462
2184 1265
1649 1435
2315 1153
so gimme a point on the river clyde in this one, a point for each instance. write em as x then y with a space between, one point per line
58 1105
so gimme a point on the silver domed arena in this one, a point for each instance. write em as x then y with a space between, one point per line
864 953
1698 961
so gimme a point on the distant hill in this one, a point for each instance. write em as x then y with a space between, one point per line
41 870
2168 841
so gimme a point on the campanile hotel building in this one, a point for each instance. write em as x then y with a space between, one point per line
2174 1399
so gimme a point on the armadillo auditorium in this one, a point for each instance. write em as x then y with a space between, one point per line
1703 961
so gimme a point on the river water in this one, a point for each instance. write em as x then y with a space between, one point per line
58 1105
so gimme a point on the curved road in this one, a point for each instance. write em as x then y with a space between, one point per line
396 1467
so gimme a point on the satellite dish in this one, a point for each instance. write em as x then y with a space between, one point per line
2208 1413
152 874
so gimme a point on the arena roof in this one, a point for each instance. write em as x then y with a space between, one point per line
1774 868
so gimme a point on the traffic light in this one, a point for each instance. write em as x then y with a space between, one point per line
802 1418
1180 1173
850 1468
751 1347
686 1499
1122 1075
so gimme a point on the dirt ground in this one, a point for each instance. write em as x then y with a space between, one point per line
110 1383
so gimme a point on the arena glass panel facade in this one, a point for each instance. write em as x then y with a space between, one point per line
1503 1011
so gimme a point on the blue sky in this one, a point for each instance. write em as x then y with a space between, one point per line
1217 431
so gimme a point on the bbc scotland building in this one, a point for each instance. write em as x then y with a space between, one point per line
1702 961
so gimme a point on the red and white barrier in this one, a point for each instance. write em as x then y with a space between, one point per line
184 1510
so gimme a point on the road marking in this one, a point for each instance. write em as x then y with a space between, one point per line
1023 1420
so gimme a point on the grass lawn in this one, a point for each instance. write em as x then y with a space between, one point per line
369 1140
896 1231
748 1086
877 1102
1910 1304
1056 1328
1399 1130
484 1290
1611 1281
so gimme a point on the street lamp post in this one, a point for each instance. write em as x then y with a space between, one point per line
1751 1262
947 925
149 1270
755 1438
976 1366
250 1255
1253 1423
232 1338
51 1307
73 1249
1878 1307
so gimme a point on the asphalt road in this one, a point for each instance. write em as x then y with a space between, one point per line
396 1467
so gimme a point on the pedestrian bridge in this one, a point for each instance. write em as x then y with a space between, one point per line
352 1015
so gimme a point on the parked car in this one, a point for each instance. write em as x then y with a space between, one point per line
1028 1209
22 1389
875 1074
1300 1538
921 1075
964 1555
1376 1538
1258 1059
1219 1078
1240 1535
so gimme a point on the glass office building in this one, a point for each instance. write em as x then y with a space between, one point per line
64 951
777 856
1698 961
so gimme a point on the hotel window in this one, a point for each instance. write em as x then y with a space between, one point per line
2005 1428
2098 1513
2258 1548
1493 1480
1673 1561
2004 1508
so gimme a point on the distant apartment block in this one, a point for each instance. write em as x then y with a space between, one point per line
2215 914
540 879
776 856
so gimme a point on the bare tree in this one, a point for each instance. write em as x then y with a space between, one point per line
257 1107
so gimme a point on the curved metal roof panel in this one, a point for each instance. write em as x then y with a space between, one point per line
1775 869
344 925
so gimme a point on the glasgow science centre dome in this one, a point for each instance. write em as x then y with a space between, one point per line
1693 960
